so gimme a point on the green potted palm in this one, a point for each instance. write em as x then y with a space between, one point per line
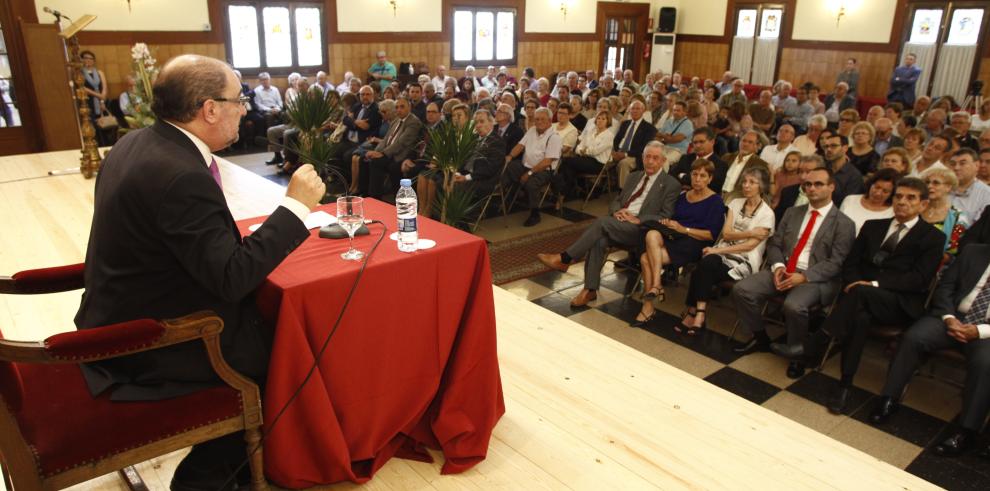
448 148
309 112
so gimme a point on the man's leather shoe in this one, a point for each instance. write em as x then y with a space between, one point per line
884 410
791 352
586 296
795 370
533 219
955 444
277 159
752 346
553 261
838 400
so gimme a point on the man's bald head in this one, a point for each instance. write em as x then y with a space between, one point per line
185 82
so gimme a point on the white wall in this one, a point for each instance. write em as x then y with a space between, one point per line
866 21
145 15
377 16
701 17
582 15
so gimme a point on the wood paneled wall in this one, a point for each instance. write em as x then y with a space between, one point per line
115 59
551 57
822 67
700 59
984 75
357 57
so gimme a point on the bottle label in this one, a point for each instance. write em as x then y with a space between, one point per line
407 224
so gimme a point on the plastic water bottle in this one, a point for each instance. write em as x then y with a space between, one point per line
406 206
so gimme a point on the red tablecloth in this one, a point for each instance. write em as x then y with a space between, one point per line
413 362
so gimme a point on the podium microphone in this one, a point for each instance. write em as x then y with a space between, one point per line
328 231
58 15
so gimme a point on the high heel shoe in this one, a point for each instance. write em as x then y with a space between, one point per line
691 330
655 292
644 322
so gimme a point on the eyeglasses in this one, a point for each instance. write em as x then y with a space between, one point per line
814 184
240 100
934 182
832 145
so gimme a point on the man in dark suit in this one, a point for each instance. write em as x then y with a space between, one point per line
957 319
253 122
848 179
386 159
703 147
804 258
885 139
886 276
629 142
481 173
746 158
362 121
416 99
903 81
979 232
841 94
505 126
163 244
793 195
648 195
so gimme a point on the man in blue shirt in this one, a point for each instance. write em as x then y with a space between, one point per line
903 81
676 132
383 71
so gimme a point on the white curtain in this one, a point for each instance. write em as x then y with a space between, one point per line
741 58
765 61
926 60
955 64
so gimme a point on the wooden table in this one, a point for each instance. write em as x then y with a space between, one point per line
582 410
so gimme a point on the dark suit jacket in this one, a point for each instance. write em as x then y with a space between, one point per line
247 91
512 136
908 271
579 122
788 196
659 202
163 244
645 133
829 248
403 146
371 114
848 102
959 279
682 171
979 232
754 161
487 163
419 110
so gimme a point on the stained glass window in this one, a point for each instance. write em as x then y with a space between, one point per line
747 23
965 27
770 25
925 28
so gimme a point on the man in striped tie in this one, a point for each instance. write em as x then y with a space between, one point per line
957 320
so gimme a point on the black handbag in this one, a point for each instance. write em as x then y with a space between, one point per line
667 232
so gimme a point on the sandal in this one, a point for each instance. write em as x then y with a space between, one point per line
692 330
642 323
655 292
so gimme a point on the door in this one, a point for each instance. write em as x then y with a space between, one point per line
945 39
756 43
623 30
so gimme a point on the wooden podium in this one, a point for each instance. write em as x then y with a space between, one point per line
89 163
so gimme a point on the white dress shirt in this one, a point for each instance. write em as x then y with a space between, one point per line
775 157
805 256
967 303
568 135
297 208
735 170
540 146
637 204
596 145
267 99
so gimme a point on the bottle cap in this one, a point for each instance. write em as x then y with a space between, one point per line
405 183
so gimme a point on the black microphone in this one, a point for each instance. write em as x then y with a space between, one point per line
58 15
328 231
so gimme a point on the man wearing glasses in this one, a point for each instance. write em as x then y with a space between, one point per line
703 147
885 281
805 256
848 179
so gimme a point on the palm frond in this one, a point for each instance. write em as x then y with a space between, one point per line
449 146
457 205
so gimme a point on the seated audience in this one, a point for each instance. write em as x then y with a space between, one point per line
981 120
861 154
797 112
774 155
506 126
886 278
745 158
703 147
931 157
970 195
358 156
630 140
884 138
386 160
876 203
738 253
539 155
896 158
807 144
734 95
983 174
676 132
763 113
698 217
940 212
362 121
957 319
789 174
847 178
847 119
648 195
804 261
578 119
593 150
837 102
567 132
267 99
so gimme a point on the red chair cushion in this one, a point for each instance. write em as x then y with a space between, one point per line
105 340
59 278
67 427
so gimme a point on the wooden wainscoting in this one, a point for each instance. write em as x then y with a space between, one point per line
701 59
822 66
357 57
984 75
115 59
549 57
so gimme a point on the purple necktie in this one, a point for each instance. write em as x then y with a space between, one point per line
215 171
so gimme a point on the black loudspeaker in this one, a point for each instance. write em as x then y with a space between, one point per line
668 18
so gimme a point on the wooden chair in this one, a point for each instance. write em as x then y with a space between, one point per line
54 434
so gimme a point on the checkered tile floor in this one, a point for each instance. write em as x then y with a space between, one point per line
904 442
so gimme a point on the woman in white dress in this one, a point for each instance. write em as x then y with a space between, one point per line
875 204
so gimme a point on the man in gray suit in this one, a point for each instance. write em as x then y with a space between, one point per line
804 258
647 195
386 159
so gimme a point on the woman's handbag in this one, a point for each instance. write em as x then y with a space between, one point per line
106 121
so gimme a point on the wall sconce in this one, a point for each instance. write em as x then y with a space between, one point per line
394 5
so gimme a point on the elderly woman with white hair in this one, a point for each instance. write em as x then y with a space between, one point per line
807 143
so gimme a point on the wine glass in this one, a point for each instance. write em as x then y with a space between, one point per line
350 217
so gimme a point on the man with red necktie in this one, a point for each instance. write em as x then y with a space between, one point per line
804 258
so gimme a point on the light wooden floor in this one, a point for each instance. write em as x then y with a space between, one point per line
583 411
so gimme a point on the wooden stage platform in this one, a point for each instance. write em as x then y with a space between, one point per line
582 410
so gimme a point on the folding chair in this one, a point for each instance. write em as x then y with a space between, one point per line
498 191
605 174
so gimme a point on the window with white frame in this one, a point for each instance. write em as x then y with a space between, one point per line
483 36
275 37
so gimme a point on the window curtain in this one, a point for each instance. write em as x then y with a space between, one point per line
765 61
926 60
955 65
742 57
